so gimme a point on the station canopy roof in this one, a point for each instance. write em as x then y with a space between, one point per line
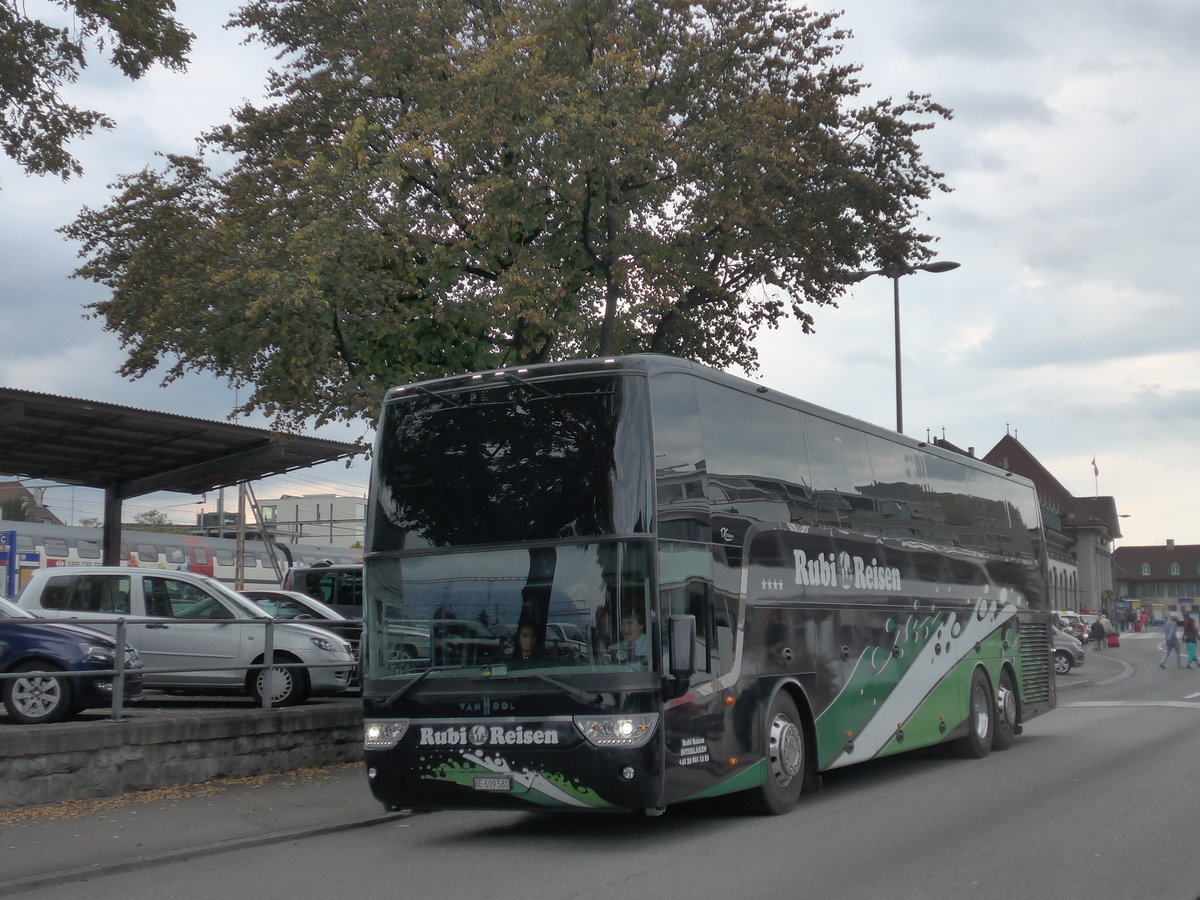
130 452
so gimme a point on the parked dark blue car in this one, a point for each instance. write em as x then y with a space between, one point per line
38 645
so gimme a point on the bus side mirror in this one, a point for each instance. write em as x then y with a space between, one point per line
682 631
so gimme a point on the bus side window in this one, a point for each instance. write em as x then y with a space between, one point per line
696 596
714 629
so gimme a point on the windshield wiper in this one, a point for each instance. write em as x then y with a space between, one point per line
412 684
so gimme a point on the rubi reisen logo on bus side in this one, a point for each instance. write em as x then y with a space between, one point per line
826 570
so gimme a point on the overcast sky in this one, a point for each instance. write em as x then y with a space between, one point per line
1072 158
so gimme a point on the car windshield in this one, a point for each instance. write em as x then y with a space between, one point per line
12 611
292 605
244 607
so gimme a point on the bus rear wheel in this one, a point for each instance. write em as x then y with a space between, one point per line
981 720
787 762
1006 713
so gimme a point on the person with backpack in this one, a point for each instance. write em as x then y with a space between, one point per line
1190 635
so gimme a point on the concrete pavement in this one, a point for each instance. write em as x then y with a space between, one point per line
81 839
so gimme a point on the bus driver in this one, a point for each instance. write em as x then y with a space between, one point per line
634 644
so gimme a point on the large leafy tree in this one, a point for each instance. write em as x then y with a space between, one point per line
37 58
443 186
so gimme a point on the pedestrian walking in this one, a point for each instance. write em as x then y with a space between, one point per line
1097 632
1171 642
1190 634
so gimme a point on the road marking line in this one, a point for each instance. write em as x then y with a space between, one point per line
1174 704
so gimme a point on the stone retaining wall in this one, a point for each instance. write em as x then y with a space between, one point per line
40 765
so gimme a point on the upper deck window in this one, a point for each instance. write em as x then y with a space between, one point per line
513 461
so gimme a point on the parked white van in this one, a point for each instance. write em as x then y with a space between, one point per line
194 631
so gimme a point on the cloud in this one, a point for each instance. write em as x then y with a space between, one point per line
1071 320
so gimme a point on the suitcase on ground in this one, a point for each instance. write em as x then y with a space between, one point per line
1114 640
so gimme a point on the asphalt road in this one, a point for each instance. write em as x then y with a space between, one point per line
1096 800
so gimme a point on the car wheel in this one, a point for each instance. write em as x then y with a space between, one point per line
787 761
981 720
1062 662
283 685
37 699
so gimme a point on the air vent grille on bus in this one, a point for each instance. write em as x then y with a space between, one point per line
1035 661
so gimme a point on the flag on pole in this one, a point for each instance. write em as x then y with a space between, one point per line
1095 470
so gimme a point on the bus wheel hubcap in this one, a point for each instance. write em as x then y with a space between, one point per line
982 714
786 750
1008 706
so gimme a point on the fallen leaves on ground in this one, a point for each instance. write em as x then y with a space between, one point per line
69 809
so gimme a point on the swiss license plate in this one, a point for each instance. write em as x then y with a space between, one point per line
492 783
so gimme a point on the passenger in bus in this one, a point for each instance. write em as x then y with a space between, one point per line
529 647
634 645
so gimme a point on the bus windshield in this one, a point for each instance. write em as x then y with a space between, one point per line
566 608
511 527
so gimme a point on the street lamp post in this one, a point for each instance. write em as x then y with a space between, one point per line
894 273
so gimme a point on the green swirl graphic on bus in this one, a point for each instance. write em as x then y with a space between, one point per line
893 685
479 771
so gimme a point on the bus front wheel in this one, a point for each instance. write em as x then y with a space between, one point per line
981 720
786 760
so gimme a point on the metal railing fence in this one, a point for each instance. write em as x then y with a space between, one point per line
120 636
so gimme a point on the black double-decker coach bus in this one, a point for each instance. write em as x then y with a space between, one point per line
624 583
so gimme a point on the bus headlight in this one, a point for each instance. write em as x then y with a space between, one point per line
383 734
617 731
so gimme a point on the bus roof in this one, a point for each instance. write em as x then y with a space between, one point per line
658 363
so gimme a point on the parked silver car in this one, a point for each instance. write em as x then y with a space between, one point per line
291 606
194 633
1068 652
